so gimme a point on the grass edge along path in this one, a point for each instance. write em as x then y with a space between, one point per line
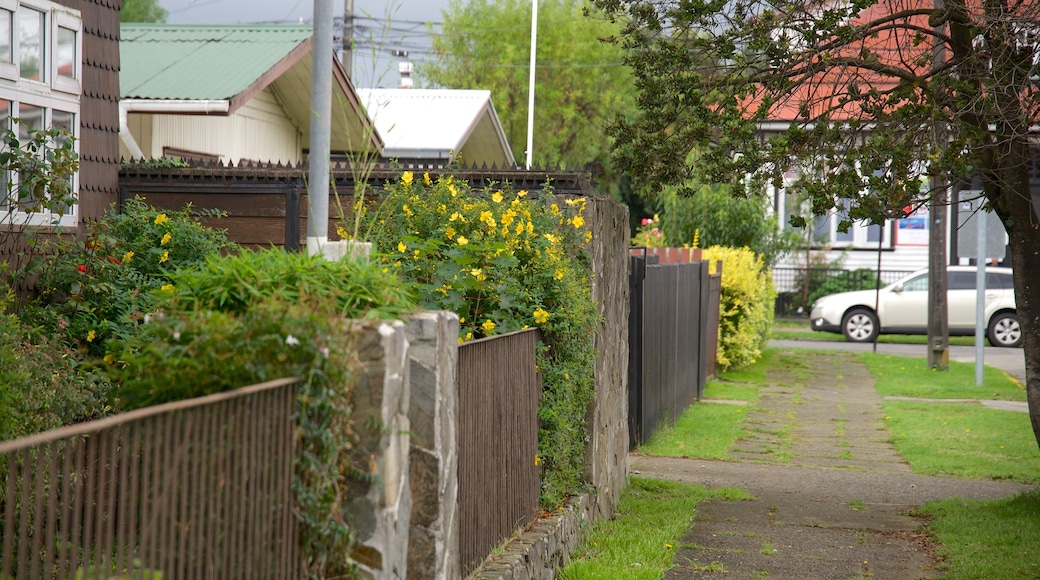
639 542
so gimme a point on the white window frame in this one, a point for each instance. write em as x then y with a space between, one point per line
858 229
56 93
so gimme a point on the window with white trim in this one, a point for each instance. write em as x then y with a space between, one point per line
824 228
40 70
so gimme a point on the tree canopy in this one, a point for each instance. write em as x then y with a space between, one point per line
580 81
142 11
857 99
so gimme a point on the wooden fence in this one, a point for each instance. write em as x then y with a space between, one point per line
499 482
194 489
673 338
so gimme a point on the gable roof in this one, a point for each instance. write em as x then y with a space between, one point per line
170 65
438 124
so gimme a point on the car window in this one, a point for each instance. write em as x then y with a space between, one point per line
999 281
961 280
916 284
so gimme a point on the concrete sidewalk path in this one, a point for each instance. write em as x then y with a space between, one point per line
832 497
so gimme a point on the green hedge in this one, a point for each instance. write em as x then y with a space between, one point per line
746 306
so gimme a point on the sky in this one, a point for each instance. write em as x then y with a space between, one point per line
383 26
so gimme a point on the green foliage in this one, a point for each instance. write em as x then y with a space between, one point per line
257 316
858 279
746 309
101 285
580 84
37 176
142 11
503 262
351 288
718 217
42 385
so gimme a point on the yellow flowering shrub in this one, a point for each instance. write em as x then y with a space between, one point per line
746 305
505 260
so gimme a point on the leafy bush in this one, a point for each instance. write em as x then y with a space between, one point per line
859 279
42 385
746 308
257 316
719 216
504 261
102 285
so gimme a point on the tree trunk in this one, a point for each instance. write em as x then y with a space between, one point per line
1007 187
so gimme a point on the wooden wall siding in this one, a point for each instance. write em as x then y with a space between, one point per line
259 200
99 105
259 131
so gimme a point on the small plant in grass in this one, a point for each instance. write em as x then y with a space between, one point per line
505 260
768 549
101 285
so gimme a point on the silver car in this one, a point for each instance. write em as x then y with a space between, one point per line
902 308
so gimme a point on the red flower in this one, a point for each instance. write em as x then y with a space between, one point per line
82 268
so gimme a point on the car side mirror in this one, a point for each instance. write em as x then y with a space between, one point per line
897 288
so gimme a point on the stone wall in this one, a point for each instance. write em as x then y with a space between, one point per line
433 538
380 509
607 454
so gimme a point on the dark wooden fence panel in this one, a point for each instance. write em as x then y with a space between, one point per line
194 489
671 340
499 482
714 313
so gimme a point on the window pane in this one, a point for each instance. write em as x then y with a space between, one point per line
822 229
916 284
30 44
874 233
30 117
5 36
64 120
66 57
960 281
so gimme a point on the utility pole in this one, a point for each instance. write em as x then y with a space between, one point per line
938 313
347 49
321 130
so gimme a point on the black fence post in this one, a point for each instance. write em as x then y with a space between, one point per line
292 216
636 276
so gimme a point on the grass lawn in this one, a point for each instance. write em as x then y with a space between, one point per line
640 541
910 377
805 333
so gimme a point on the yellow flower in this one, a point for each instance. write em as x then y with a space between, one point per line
478 274
537 460
456 216
442 208
127 257
160 219
401 247
554 209
342 233
496 197
552 239
578 221
575 201
167 288
91 336
165 239
407 210
558 274
451 189
588 237
530 228
469 336
165 256
540 316
110 358
426 179
522 193
406 178
488 327
449 233
462 240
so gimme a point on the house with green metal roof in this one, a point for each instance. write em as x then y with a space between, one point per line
228 93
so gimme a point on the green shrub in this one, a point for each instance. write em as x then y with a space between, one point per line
42 385
100 286
257 316
859 279
503 261
746 306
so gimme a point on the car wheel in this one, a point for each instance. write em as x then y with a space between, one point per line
1004 330
859 325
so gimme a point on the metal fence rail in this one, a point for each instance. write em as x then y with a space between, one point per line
796 286
499 484
194 489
